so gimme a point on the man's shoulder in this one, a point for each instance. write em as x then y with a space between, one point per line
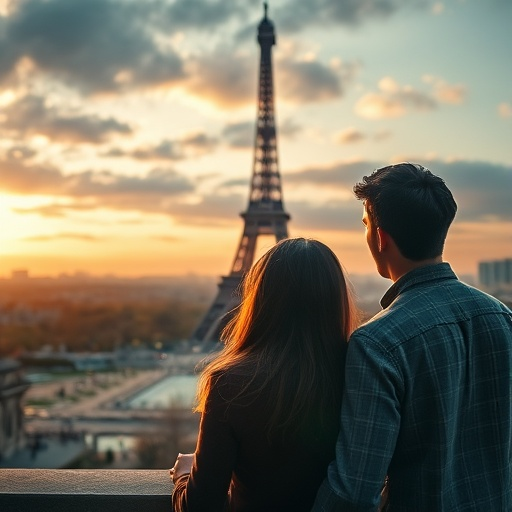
379 325
419 309
475 301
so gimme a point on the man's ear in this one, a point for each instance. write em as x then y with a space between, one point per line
383 239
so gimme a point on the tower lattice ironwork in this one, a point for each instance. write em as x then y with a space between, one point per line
265 214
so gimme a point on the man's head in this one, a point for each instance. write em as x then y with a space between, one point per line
411 205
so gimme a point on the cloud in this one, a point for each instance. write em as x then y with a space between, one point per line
202 14
350 136
393 100
342 174
160 191
295 15
102 188
438 8
199 143
192 145
159 182
167 238
444 92
91 45
505 110
353 135
241 135
382 135
83 237
225 79
20 152
232 82
288 128
56 209
214 209
19 177
453 94
292 16
110 46
481 189
329 215
310 81
30 115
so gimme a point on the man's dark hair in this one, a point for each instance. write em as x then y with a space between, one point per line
411 204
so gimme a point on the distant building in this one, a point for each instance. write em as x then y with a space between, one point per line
99 361
19 275
140 358
12 387
61 360
492 274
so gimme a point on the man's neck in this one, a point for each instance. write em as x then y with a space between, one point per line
403 266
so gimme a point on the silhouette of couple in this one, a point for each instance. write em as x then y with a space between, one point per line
305 409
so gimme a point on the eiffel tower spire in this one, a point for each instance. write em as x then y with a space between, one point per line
265 214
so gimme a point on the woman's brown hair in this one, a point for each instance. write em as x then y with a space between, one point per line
289 334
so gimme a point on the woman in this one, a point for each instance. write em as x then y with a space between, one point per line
270 401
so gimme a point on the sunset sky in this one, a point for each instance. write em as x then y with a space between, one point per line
127 126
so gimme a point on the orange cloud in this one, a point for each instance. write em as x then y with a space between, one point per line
350 136
393 100
505 110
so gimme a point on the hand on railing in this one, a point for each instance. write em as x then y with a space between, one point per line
182 466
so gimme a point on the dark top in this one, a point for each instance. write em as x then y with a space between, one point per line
428 401
234 453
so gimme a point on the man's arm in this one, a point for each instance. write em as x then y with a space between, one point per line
370 421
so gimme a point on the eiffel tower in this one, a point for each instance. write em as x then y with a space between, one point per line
265 213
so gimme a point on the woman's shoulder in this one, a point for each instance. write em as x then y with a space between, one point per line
234 375
233 384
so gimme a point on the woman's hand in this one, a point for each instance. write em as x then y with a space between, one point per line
182 466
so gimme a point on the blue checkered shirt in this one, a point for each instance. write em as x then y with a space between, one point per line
427 402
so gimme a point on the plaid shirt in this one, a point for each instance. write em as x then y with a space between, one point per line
427 402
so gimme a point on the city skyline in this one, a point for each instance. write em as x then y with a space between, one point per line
127 128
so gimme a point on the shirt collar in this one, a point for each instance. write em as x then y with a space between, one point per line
433 272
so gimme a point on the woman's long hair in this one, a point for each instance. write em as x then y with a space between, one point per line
289 334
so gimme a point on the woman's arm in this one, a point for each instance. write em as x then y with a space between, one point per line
182 466
206 488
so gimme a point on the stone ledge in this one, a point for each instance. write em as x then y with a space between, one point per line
76 490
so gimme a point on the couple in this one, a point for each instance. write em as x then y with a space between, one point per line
424 387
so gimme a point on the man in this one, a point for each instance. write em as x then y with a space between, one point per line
427 401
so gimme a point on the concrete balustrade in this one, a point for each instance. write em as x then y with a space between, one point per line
76 490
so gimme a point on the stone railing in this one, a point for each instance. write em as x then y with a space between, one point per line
80 490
